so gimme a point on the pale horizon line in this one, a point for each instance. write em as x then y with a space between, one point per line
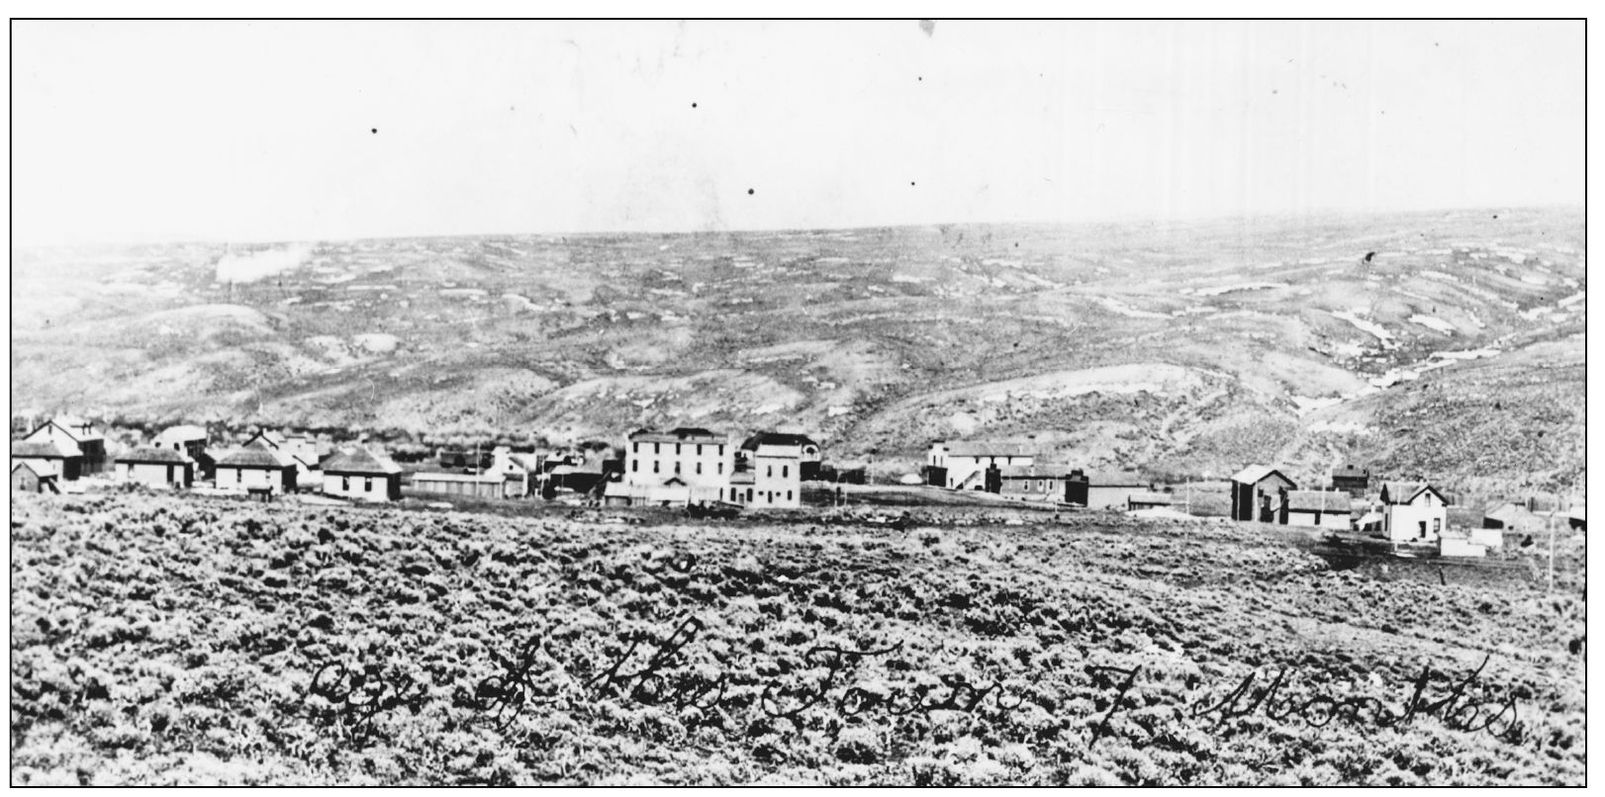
1119 221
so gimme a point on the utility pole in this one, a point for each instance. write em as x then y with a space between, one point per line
1552 544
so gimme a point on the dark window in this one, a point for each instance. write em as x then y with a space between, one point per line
657 448
699 449
721 450
720 467
637 449
785 470
676 467
699 467
677 449
788 495
345 482
367 484
654 466
769 470
169 473
635 466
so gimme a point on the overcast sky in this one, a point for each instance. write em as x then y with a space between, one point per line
142 131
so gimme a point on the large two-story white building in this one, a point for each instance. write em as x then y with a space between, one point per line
681 466
690 465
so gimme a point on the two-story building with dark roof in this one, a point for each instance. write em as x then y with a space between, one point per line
809 454
49 457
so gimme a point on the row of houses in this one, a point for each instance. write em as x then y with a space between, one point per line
680 467
691 465
1401 511
267 464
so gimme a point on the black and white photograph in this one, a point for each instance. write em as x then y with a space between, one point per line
715 402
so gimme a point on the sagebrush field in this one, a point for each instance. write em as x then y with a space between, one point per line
163 640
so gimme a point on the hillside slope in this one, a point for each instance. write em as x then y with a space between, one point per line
1186 348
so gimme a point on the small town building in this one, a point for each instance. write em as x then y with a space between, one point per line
188 439
1511 516
356 472
191 441
482 485
464 459
956 465
1352 480
586 475
24 479
1413 512
74 435
257 470
776 468
49 456
677 467
520 472
1113 490
300 450
156 466
809 453
1032 482
1257 494
1320 508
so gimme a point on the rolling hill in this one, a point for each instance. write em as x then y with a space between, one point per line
1447 345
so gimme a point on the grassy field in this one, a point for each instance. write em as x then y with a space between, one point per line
179 639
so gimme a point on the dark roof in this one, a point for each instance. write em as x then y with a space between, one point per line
1350 472
1404 492
360 460
1335 501
777 439
1254 474
252 458
678 434
164 456
43 449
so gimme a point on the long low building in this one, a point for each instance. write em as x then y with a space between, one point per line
1320 508
482 485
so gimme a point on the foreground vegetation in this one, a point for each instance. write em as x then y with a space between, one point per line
180 640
